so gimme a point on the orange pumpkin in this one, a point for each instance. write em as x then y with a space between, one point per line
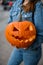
21 34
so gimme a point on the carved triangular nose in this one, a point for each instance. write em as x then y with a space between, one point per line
20 35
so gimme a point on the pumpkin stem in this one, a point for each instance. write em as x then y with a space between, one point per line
20 15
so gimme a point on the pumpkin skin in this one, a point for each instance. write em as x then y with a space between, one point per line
20 34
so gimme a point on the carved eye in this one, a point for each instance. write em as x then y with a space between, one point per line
31 28
15 29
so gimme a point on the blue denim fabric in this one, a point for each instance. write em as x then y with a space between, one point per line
31 55
38 18
15 11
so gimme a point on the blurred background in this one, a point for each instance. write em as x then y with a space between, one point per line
5 48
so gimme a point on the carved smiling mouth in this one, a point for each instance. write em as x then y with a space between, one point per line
21 39
24 39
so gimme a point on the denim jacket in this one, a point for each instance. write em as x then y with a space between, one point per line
38 15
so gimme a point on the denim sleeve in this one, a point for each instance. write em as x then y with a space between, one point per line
10 18
38 18
15 11
42 11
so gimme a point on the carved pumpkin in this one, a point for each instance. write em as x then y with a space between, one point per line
20 34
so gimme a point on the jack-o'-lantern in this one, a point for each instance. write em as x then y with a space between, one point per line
21 34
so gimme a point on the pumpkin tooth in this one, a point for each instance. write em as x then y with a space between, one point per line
33 37
21 41
17 39
26 41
